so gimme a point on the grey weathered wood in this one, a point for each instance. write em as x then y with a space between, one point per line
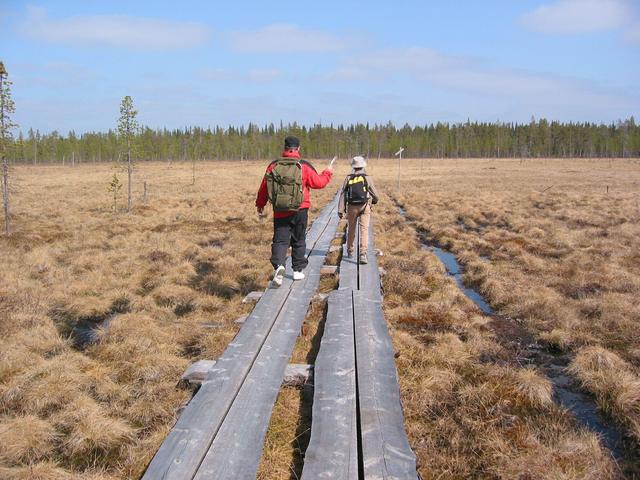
197 372
237 447
297 374
385 449
328 269
252 297
386 452
241 320
348 271
211 324
320 297
182 452
333 448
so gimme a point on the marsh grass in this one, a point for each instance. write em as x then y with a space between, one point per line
151 282
561 261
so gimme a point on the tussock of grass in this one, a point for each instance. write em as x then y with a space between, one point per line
613 381
562 262
168 279
38 471
470 411
26 439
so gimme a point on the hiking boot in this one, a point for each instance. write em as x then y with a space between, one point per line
298 275
363 258
278 276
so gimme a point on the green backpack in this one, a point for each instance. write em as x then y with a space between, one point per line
284 185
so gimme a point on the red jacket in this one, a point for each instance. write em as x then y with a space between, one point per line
310 179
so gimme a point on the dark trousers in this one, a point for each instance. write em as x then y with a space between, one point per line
292 231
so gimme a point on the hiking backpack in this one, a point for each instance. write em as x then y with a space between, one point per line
357 189
284 185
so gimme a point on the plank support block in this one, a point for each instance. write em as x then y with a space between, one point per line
213 325
328 269
297 375
252 297
241 320
196 373
320 297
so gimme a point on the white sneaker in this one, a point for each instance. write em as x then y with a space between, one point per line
298 275
278 276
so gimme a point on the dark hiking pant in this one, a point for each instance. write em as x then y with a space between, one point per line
292 231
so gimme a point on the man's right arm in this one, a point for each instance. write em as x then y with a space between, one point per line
262 197
315 180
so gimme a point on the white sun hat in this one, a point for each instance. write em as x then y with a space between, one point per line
358 162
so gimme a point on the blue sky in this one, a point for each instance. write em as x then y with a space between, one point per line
221 63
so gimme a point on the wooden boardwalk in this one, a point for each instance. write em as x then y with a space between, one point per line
221 432
357 423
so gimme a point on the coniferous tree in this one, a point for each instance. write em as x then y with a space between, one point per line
537 138
127 128
7 108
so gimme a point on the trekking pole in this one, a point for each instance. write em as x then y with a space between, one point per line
358 251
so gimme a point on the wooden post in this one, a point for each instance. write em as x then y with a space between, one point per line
5 162
128 174
5 193
399 155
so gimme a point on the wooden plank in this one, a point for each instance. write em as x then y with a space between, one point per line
182 452
328 270
237 448
348 271
197 372
385 449
370 273
297 375
333 448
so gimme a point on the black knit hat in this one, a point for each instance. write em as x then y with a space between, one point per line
291 142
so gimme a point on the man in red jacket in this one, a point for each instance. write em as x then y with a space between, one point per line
290 227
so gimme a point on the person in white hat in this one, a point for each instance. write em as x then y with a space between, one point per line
356 197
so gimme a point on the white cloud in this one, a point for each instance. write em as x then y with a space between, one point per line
113 30
528 90
283 38
632 34
264 75
579 16
257 75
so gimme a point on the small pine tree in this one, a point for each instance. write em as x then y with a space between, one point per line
7 107
127 127
114 188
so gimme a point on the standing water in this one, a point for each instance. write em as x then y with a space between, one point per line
567 394
455 271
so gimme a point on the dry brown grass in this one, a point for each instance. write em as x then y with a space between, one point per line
613 381
169 278
563 262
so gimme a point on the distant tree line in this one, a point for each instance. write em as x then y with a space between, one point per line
539 138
